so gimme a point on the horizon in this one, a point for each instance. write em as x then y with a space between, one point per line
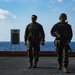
16 14
23 41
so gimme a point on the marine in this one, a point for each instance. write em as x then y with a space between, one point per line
33 37
63 33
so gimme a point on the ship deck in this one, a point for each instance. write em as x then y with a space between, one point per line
46 66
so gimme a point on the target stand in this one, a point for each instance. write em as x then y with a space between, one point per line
15 38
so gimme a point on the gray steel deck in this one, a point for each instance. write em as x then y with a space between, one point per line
46 66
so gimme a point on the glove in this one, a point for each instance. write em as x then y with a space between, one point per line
42 43
26 43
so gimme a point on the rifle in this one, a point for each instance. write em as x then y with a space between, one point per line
62 37
69 47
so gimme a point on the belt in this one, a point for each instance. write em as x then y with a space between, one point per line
35 37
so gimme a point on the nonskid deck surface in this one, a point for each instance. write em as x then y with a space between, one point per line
46 66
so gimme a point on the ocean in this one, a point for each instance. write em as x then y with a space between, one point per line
49 46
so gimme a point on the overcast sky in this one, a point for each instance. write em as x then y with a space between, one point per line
16 14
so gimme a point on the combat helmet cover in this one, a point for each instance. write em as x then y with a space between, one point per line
63 15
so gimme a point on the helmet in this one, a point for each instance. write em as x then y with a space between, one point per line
63 15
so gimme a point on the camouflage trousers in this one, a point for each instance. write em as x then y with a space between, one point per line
62 54
33 49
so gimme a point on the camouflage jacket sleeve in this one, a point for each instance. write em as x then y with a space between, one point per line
70 33
26 34
42 33
53 30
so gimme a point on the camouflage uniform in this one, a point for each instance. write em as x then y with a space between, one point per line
64 29
34 33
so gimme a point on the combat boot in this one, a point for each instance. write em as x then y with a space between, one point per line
60 67
30 65
65 70
35 65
